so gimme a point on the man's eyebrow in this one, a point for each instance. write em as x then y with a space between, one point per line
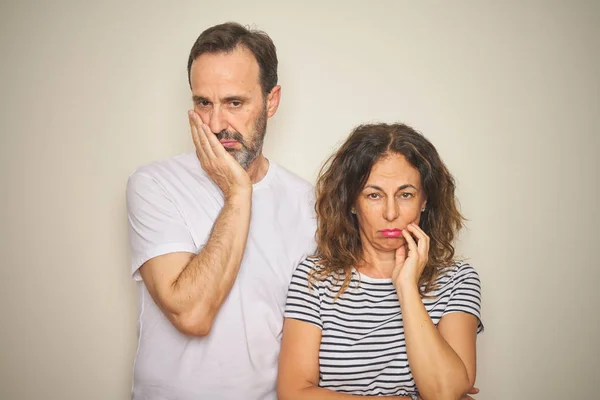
199 99
229 99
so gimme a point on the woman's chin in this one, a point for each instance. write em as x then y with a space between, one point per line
391 244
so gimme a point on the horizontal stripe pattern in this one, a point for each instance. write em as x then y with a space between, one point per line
363 349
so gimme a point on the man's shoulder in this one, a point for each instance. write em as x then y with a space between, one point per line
185 163
290 180
177 176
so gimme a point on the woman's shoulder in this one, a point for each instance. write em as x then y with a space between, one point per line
456 273
309 267
312 269
460 269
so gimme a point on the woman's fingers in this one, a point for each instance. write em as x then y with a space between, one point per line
418 232
422 240
400 255
410 242
473 390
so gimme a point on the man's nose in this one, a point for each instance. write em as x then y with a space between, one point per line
218 120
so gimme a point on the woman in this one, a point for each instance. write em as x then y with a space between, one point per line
383 309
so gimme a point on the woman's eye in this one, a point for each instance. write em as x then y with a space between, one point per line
406 195
373 195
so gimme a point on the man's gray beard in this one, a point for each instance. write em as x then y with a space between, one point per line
249 151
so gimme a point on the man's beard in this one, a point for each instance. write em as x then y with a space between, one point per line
252 147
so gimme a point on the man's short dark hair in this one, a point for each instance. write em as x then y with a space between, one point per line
225 38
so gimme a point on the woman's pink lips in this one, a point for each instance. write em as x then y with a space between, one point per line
391 233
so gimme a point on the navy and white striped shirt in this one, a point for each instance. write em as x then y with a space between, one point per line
363 349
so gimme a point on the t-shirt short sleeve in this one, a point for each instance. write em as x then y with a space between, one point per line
156 225
466 294
303 302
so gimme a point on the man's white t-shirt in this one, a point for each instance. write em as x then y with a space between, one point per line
172 205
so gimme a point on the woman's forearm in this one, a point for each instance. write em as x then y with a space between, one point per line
438 371
315 392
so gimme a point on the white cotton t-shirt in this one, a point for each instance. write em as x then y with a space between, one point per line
172 205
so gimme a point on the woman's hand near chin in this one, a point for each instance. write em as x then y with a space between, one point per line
411 258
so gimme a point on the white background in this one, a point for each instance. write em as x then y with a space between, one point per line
507 91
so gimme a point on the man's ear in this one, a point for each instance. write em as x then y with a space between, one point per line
273 101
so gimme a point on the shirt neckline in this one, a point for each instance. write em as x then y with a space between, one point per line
366 278
264 182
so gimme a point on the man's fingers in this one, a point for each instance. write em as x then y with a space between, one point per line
196 137
202 136
216 146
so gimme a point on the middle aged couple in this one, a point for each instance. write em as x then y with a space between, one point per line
240 299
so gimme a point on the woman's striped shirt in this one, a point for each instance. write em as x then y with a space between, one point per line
363 349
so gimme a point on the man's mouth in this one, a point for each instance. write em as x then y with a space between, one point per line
229 143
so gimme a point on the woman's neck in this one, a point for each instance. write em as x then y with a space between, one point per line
377 264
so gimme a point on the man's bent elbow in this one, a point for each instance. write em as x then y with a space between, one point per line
193 324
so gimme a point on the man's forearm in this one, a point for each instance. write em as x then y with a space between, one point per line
205 282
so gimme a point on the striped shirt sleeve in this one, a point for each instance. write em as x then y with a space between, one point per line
303 302
466 294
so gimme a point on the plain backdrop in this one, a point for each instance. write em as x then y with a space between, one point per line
507 91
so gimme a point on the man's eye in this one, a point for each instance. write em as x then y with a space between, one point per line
236 104
204 103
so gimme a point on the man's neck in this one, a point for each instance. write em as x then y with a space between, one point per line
258 169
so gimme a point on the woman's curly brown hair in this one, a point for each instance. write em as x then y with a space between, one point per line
343 177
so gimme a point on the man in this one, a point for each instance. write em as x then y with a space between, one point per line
215 235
